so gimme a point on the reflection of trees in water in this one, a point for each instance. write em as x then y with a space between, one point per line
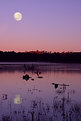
62 108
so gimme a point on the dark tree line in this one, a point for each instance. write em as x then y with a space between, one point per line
64 57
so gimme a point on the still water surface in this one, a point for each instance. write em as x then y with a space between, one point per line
54 97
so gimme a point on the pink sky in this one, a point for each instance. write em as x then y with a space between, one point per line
46 25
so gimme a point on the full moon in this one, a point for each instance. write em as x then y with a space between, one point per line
17 16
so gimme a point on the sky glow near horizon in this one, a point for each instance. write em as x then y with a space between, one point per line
51 25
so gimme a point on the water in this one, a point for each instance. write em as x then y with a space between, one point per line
40 99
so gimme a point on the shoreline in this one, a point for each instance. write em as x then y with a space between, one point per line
38 63
33 66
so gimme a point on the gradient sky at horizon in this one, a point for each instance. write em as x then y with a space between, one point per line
51 25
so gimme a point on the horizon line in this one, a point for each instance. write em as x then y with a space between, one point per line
40 51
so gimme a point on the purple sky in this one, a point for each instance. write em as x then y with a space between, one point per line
51 25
